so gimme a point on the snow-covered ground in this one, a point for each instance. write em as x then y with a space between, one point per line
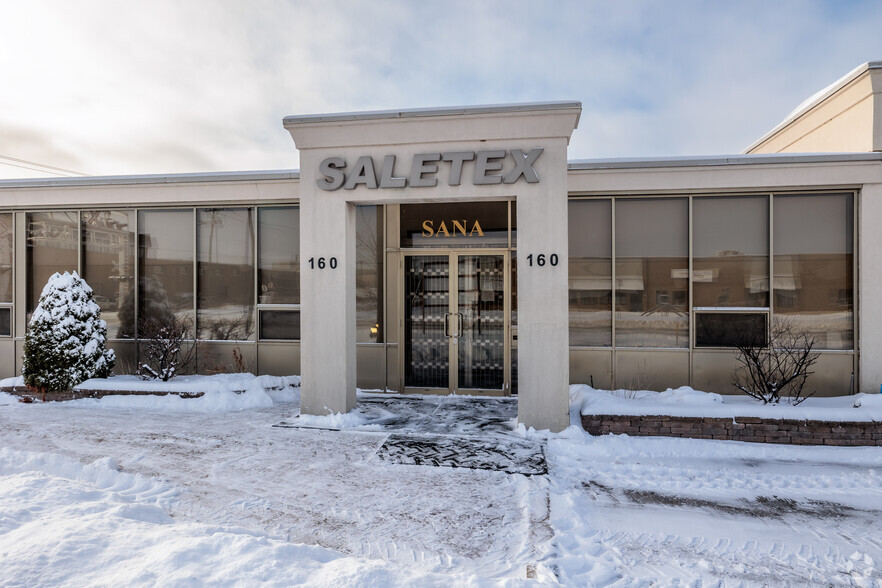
686 402
164 491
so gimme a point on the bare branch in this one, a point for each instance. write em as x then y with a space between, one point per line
778 370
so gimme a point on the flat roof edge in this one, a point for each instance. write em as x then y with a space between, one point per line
815 100
234 176
721 160
431 111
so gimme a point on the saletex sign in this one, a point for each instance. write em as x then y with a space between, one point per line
497 166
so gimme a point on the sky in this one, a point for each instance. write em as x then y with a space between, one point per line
105 87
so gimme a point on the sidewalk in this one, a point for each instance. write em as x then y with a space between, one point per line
442 431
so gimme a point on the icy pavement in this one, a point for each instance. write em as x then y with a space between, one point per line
443 431
86 489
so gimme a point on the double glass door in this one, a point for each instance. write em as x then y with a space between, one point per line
456 322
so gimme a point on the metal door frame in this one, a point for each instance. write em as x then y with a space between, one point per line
453 256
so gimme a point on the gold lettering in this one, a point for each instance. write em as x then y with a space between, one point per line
427 228
442 229
461 225
476 227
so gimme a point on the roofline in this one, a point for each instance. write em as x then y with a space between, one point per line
233 176
573 165
431 111
816 100
721 160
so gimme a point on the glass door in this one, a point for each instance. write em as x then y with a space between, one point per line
427 283
456 323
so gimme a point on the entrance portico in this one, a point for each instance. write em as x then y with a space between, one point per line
512 153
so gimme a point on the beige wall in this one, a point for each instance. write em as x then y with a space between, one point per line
845 118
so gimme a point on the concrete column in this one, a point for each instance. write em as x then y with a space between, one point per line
869 321
543 320
327 320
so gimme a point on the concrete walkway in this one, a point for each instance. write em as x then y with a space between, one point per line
443 431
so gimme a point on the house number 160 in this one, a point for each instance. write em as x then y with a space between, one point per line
542 259
322 263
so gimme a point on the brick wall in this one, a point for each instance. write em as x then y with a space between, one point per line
756 430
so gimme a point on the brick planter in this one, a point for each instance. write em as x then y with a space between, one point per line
30 395
753 429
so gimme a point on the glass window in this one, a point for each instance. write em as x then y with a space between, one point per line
652 270
455 224
280 324
731 251
6 257
278 251
165 256
5 321
225 282
813 282
730 329
52 246
590 272
369 253
109 266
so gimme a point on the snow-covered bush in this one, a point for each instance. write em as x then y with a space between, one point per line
66 339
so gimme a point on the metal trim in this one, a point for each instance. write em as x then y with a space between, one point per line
429 112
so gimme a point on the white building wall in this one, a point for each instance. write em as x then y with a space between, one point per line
328 343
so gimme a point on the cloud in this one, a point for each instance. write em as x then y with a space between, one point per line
166 86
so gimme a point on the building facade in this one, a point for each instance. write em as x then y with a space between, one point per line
459 251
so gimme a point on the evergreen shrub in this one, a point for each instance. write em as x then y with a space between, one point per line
66 339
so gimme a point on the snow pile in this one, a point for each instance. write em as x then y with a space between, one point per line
64 523
102 473
220 392
336 420
684 395
687 402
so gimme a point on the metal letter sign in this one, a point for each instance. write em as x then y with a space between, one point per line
489 167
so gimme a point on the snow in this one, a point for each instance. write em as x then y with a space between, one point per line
686 402
220 392
68 524
113 492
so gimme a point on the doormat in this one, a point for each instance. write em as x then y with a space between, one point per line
512 456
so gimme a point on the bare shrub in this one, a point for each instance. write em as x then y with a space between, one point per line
781 368
241 365
162 352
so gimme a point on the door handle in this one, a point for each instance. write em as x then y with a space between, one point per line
447 325
459 324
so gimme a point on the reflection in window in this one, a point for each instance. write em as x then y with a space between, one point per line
280 325
731 251
278 261
652 270
369 253
6 256
52 244
165 257
225 283
590 272
813 282
109 264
